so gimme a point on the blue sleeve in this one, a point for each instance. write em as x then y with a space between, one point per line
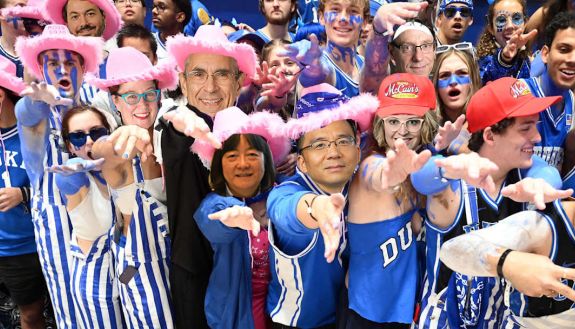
541 169
491 68
282 208
30 113
214 230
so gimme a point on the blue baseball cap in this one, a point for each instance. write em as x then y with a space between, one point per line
241 35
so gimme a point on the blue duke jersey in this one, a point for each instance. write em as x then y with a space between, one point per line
473 302
344 82
552 127
383 269
308 11
264 37
304 287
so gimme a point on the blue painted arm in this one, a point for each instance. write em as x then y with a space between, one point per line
541 169
429 180
71 184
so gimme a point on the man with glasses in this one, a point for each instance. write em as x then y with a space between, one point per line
307 212
453 19
132 11
212 72
169 18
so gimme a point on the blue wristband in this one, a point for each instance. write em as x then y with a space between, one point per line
429 180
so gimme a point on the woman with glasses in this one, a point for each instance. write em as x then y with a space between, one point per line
383 218
140 243
501 48
88 203
234 218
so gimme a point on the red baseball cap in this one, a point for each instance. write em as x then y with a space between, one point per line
405 93
504 98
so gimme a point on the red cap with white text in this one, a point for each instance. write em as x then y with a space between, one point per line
405 93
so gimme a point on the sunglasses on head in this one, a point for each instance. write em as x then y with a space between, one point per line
462 46
79 138
450 12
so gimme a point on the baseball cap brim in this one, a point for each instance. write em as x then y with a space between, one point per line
420 111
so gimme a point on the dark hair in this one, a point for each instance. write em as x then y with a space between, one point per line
217 180
76 110
303 32
12 96
268 47
476 139
562 21
550 9
65 12
184 6
223 23
292 14
487 44
136 31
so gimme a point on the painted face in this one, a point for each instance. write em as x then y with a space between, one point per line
343 20
131 11
331 168
278 12
560 58
216 92
508 18
84 122
84 18
516 144
243 169
418 61
142 45
403 126
63 69
454 84
164 15
135 108
13 25
283 64
452 24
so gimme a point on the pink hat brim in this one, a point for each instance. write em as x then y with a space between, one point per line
14 84
266 124
360 109
24 12
163 73
181 47
53 9
90 48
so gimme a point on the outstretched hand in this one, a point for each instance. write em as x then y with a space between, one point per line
472 168
279 85
517 41
126 138
534 190
76 165
305 52
238 216
448 133
46 93
188 123
400 162
327 211
389 15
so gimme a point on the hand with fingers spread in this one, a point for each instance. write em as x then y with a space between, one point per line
77 165
10 197
262 74
472 168
279 85
401 162
46 93
126 138
517 41
306 52
448 133
188 123
537 276
238 216
327 210
534 190
397 13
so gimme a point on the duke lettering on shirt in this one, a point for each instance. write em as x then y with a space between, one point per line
390 247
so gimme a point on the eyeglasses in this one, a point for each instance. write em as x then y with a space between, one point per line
462 46
79 138
323 145
412 125
450 12
125 2
220 76
408 48
517 19
149 96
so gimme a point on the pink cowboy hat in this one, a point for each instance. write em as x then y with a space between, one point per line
323 104
8 80
58 37
232 121
210 39
127 64
33 9
113 18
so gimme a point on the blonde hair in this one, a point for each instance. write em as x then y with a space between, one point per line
365 3
474 76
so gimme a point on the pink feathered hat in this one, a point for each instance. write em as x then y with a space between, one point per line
323 104
127 64
113 18
234 121
33 9
8 79
210 39
58 37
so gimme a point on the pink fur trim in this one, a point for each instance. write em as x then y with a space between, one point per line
165 74
11 83
180 47
24 12
90 48
360 109
266 124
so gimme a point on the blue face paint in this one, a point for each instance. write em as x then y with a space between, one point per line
61 67
330 17
454 79
339 53
45 59
355 20
73 74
